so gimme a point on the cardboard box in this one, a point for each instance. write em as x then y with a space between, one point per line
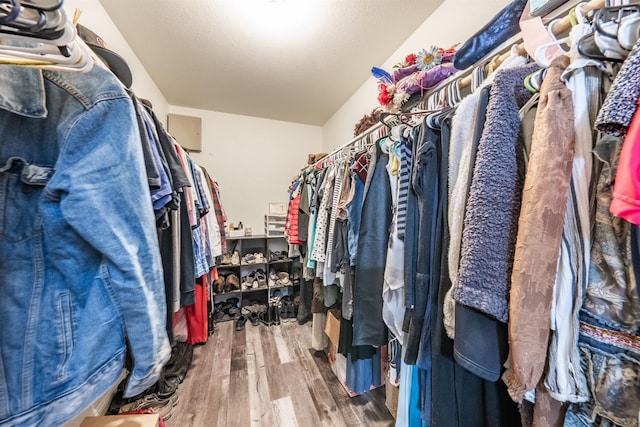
141 420
332 328
392 395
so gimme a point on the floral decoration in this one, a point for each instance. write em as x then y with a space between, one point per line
427 59
385 94
409 60
418 72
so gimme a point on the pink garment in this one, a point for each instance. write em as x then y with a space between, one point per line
626 188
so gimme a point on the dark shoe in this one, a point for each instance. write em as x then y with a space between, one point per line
254 318
265 317
240 323
283 310
275 314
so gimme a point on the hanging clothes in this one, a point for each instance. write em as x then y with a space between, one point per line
369 328
77 214
540 232
494 200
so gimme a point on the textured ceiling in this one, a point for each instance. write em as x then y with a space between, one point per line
291 60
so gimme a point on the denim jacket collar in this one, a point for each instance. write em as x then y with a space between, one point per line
23 91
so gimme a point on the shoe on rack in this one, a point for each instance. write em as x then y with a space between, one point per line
283 278
247 282
259 258
248 259
225 259
218 314
261 278
218 285
272 277
232 282
235 258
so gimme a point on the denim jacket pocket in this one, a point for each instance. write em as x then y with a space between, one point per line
21 184
65 335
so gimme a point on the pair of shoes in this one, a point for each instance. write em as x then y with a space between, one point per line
271 316
272 277
159 406
227 283
283 279
228 258
288 309
231 283
230 308
254 258
277 256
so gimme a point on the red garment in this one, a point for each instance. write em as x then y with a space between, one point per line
291 225
197 314
626 188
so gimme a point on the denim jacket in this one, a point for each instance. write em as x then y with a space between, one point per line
80 270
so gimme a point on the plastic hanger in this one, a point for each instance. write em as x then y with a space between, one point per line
629 32
533 81
616 30
541 56
43 5
12 12
453 93
34 20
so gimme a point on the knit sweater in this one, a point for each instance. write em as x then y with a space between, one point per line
622 100
491 220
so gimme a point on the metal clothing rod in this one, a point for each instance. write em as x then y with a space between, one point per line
358 138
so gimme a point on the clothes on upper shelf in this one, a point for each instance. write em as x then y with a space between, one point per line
482 239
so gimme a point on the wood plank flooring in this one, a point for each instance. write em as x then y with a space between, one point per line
268 376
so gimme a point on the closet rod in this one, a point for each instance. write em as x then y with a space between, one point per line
360 137
559 27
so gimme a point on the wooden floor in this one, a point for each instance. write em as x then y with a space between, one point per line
268 376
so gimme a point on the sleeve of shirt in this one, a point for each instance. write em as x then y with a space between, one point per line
104 197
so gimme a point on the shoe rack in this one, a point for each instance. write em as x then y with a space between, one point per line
245 247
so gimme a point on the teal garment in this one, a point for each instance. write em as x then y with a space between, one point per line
409 413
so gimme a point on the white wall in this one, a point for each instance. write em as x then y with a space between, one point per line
96 19
253 160
453 22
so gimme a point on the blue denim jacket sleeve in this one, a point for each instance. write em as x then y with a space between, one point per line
104 197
